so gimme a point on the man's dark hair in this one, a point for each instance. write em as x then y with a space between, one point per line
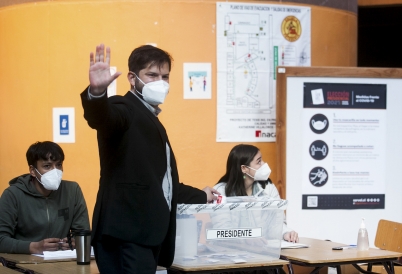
44 151
146 56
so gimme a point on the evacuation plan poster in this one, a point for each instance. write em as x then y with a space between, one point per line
252 40
344 145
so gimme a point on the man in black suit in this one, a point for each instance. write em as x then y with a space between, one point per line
134 222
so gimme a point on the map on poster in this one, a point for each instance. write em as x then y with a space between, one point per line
344 145
252 40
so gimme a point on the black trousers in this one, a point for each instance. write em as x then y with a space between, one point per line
115 256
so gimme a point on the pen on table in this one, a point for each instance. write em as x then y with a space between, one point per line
348 246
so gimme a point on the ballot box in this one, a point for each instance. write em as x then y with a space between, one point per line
241 230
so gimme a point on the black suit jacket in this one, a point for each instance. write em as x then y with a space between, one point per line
130 203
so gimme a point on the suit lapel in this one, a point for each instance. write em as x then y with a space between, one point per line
140 105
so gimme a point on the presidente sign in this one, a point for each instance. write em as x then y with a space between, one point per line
233 233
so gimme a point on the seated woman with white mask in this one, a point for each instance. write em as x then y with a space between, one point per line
248 175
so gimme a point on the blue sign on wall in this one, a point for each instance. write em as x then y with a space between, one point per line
64 125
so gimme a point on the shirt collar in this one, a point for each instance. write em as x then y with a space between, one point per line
154 110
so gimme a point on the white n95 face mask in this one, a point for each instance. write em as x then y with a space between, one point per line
154 93
261 174
51 180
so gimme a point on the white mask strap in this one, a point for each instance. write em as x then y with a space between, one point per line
38 171
139 78
140 81
39 174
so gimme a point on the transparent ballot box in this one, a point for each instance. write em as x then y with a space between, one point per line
239 231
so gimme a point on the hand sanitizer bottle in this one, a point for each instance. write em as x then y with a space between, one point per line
362 238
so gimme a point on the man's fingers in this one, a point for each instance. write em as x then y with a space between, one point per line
51 246
97 54
107 55
114 76
210 194
210 189
99 70
117 74
91 59
52 240
215 191
101 53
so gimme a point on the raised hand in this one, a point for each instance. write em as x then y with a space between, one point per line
99 70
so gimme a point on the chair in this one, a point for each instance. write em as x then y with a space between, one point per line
388 237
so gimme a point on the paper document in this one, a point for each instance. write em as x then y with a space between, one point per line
285 244
61 254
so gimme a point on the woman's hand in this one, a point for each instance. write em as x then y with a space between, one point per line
291 236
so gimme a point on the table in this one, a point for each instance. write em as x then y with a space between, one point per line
5 270
320 254
274 264
14 261
65 268
31 264
10 260
30 259
59 268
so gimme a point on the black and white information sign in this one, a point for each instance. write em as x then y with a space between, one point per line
344 143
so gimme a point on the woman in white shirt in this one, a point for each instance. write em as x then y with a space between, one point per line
247 175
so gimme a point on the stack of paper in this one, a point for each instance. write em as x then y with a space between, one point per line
285 244
61 254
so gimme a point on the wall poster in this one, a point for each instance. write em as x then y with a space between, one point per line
197 80
344 142
252 40
64 125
